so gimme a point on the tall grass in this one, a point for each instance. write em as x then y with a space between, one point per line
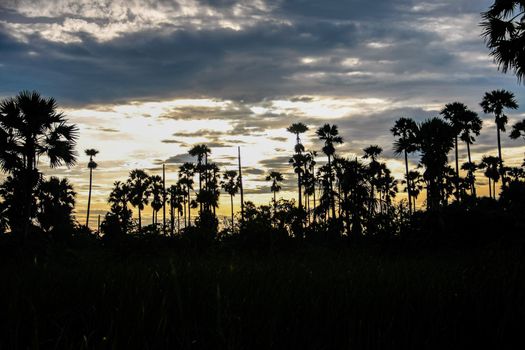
364 297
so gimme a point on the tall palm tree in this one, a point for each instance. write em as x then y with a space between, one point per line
406 130
453 113
490 164
275 177
435 141
139 185
374 171
518 130
186 173
156 191
31 127
176 200
297 129
119 199
230 184
91 166
504 33
494 102
330 135
201 152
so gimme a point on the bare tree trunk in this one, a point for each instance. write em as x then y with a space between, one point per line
89 196
408 184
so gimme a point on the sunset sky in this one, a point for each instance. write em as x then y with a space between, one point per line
146 80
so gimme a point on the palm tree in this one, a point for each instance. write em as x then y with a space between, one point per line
176 200
91 165
156 190
490 164
330 135
374 171
201 152
406 130
55 204
435 141
494 102
139 185
31 127
118 199
454 112
230 184
518 130
504 33
298 160
275 177
471 126
186 173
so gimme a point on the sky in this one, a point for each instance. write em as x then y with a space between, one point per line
146 80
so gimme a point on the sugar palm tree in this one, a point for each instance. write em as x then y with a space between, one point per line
490 164
186 173
518 130
230 184
201 152
91 166
55 204
138 183
435 141
275 177
406 130
504 32
453 113
31 127
494 102
156 191
471 126
176 201
298 159
330 135
374 171
119 199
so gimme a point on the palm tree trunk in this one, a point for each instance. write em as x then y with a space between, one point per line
313 173
140 220
457 167
189 209
300 192
172 220
473 184
502 173
89 196
490 189
231 202
332 200
408 185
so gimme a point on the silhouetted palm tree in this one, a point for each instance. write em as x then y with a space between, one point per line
406 130
275 177
518 130
176 200
435 140
156 190
139 186
186 173
31 127
494 102
374 171
490 164
330 135
119 199
298 159
231 186
55 204
454 113
201 152
504 32
471 126
91 165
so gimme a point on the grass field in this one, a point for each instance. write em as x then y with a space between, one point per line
363 297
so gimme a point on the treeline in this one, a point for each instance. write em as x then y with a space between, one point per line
342 197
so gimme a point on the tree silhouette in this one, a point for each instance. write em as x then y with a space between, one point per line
494 102
230 184
201 152
504 34
176 200
330 135
374 171
31 127
91 166
406 130
435 140
275 177
186 173
55 205
490 164
298 160
471 126
139 185
518 130
118 199
156 191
